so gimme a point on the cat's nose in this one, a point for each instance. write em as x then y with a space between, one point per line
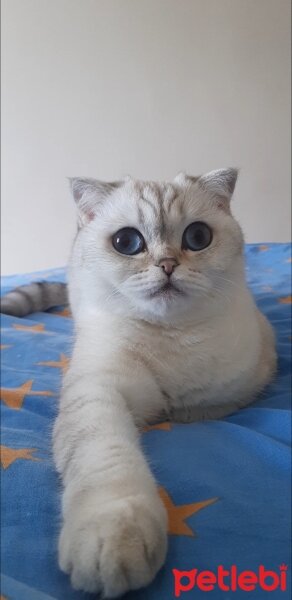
168 265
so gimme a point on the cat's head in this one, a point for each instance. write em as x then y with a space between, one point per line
155 250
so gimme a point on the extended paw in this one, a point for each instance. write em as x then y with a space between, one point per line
118 548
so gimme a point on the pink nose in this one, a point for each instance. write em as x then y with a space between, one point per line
168 265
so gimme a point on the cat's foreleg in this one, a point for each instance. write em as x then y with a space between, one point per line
113 537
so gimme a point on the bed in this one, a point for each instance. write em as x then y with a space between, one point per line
226 484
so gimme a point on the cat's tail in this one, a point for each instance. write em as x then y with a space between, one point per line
34 297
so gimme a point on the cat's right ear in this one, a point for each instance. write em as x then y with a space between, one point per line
88 194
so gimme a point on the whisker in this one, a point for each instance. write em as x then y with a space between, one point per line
220 293
112 295
234 283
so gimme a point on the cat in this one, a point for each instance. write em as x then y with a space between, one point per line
166 329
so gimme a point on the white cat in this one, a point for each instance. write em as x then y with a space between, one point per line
165 329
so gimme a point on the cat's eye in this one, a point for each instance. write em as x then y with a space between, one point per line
128 241
197 236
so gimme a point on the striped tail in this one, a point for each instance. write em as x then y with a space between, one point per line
34 297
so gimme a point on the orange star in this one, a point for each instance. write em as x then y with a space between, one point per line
14 397
9 455
3 347
166 426
263 248
39 328
178 514
63 363
286 300
63 313
289 260
3 597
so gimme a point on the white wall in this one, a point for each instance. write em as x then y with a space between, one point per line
147 87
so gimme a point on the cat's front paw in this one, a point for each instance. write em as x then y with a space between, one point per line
114 548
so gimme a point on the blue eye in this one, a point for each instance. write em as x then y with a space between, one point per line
197 236
128 241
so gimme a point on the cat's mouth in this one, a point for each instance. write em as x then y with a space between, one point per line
166 291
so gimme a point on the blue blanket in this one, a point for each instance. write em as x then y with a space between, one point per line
226 484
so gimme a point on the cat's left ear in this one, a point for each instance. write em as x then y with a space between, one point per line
88 194
219 183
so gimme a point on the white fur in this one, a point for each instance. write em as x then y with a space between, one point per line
140 359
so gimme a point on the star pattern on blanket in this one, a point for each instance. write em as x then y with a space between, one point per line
285 300
38 328
4 347
66 312
10 455
263 248
165 426
62 363
14 397
3 597
178 514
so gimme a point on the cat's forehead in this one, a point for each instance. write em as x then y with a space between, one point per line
150 206
152 192
157 207
157 198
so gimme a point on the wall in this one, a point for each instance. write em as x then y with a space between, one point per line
147 87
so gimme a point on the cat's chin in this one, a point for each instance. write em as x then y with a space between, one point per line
167 292
165 304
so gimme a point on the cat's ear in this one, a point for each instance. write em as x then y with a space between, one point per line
88 194
220 183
